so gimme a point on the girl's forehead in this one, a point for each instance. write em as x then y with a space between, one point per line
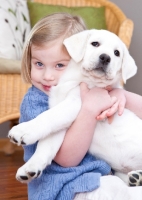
53 48
53 44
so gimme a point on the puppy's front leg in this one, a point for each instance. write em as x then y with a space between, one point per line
46 151
57 118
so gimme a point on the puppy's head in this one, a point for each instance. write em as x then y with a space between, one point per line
102 55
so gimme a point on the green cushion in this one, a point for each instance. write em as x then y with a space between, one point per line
94 17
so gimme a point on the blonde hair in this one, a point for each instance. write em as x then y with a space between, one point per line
47 29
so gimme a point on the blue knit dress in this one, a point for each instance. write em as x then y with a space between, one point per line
56 182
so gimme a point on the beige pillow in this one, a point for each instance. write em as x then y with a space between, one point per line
8 66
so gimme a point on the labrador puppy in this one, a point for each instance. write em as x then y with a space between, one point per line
101 59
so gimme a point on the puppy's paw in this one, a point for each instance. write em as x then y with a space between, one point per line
30 171
25 176
135 178
22 134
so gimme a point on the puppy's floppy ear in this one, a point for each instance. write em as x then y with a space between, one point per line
129 67
76 45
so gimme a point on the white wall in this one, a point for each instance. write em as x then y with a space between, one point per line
133 10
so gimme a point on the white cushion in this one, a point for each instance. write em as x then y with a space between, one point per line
9 66
14 28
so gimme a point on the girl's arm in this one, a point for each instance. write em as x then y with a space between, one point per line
79 136
134 103
125 99
128 100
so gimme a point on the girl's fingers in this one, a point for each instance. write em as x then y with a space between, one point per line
103 115
110 119
113 109
121 108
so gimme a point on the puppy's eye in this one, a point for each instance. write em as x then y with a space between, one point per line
117 53
95 44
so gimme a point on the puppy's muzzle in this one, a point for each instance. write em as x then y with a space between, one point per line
104 60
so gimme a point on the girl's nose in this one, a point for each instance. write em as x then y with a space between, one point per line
48 75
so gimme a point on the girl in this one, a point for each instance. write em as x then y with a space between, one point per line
44 61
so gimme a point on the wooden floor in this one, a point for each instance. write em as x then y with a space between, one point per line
10 188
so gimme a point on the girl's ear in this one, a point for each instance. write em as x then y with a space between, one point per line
76 45
129 67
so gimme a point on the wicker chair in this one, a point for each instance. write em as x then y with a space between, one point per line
12 89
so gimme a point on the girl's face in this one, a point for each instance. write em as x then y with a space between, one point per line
48 64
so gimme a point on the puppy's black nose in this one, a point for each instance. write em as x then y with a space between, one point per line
104 59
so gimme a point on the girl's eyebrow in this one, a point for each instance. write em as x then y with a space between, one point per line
64 59
33 57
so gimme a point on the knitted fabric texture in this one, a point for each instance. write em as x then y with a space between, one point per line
56 182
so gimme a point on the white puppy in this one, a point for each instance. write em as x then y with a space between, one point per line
99 58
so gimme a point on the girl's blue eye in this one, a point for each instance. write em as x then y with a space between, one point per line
39 64
60 65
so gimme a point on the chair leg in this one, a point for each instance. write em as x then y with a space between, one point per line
9 148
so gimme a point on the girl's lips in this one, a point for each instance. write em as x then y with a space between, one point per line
46 87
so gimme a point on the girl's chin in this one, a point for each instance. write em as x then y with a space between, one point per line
46 92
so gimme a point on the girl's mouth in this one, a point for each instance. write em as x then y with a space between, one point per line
46 87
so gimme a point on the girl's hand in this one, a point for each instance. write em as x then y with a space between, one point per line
118 106
109 113
120 95
96 100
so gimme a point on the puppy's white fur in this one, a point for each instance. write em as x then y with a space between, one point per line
119 143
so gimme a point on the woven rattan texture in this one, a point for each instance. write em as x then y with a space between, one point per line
12 89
